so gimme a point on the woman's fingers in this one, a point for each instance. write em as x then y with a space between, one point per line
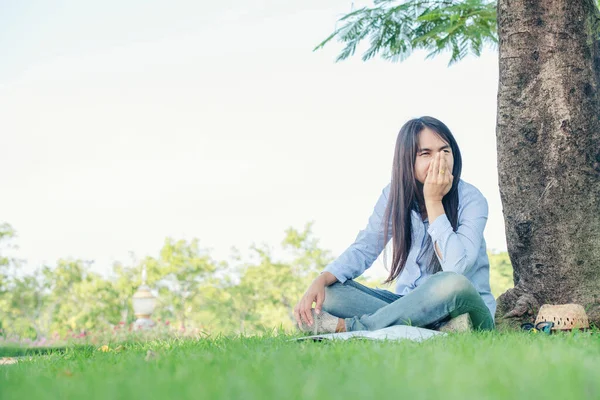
429 173
446 177
447 172
297 313
305 311
319 302
442 171
436 168
300 313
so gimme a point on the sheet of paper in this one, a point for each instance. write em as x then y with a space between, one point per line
396 332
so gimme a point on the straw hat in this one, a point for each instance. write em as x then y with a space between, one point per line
564 316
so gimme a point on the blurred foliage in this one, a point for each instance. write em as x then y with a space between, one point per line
501 272
395 29
7 234
194 291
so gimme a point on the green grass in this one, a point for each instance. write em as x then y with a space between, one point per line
464 366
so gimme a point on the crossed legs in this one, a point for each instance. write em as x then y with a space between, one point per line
444 295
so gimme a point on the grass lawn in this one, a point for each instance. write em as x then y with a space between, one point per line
461 366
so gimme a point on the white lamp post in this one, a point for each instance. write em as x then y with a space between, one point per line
143 304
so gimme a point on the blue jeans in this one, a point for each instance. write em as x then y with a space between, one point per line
442 296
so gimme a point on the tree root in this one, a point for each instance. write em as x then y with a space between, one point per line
515 306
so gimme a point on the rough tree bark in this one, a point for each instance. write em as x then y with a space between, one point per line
548 137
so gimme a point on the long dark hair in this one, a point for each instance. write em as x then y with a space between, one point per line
406 193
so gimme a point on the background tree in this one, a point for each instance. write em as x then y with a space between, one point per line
125 280
259 294
182 270
548 134
80 300
7 263
25 306
8 267
394 29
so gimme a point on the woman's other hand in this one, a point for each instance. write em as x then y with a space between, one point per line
314 294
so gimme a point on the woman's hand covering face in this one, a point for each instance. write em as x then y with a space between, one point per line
439 179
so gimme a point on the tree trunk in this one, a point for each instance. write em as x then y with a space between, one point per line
548 137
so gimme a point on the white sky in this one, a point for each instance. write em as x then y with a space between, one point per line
123 122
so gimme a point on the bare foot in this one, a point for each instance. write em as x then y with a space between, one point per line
341 326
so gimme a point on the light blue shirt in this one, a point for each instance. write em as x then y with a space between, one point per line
463 251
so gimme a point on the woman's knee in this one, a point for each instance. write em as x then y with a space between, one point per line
450 284
333 297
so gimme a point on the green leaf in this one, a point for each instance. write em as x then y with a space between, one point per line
395 30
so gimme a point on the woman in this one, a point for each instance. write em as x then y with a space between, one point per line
436 223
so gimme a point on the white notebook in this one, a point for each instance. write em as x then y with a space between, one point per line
396 332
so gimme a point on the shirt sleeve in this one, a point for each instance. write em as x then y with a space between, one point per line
366 248
460 249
